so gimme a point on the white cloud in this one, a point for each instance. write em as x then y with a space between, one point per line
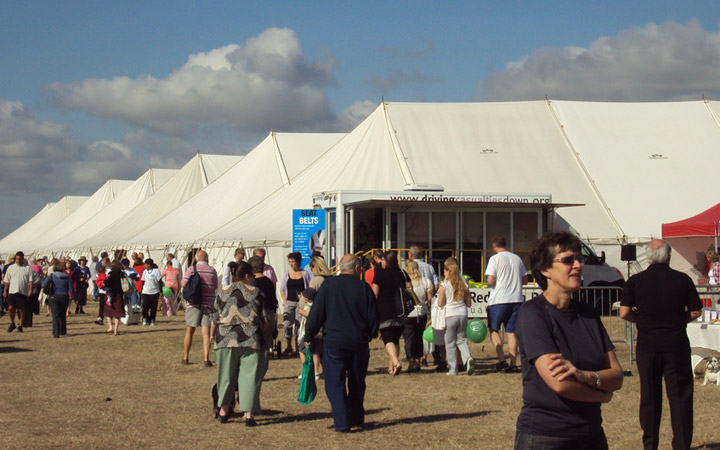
41 157
353 115
668 62
266 83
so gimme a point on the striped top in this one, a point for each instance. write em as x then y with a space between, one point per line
209 283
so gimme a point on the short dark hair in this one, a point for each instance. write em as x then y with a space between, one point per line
297 256
242 270
20 254
499 241
257 264
545 250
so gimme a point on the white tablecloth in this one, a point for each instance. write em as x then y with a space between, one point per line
704 340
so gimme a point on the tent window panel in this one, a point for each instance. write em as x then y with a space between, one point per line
416 229
472 244
525 226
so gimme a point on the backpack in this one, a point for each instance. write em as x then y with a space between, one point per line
126 284
192 292
49 288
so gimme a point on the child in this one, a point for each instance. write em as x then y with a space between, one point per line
100 281
306 300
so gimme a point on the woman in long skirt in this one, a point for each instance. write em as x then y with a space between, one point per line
114 308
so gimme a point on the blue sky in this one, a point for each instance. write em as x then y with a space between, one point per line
98 89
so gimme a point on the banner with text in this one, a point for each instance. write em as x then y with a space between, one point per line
308 233
479 300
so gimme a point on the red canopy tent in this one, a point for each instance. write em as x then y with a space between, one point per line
704 225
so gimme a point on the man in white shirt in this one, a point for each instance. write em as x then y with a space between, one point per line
18 283
227 276
170 257
506 275
426 270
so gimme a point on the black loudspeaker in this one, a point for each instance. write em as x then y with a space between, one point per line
628 252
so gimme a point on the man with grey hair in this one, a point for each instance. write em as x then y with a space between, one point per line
426 270
346 310
661 301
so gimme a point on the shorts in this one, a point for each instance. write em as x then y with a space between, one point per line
16 300
503 314
391 334
316 346
197 317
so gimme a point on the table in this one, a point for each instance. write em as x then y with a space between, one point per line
704 340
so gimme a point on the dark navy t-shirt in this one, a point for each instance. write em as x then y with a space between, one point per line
579 335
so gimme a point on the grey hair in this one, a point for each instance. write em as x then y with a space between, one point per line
416 250
660 254
349 266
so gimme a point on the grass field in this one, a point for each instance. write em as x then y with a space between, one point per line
91 390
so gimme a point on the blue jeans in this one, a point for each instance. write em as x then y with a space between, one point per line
95 290
133 298
341 365
58 308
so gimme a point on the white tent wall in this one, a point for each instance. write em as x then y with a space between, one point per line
645 160
269 167
139 190
689 253
6 242
363 159
579 152
200 171
89 209
45 220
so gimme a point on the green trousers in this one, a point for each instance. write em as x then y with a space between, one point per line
240 368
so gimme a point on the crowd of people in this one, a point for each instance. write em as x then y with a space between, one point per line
569 367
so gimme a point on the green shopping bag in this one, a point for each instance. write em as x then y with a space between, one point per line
308 389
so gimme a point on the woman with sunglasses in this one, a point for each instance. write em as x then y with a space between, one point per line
569 365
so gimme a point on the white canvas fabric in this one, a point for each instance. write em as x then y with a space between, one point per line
129 198
266 169
49 216
633 166
200 171
89 209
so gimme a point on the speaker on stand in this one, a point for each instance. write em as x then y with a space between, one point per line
628 252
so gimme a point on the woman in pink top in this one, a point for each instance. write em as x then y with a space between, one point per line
171 279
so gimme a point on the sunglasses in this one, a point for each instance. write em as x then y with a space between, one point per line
570 260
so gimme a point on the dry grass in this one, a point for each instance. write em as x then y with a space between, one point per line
89 390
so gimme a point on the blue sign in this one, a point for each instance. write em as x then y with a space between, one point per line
309 232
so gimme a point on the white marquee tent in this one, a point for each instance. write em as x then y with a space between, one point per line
89 209
271 166
633 165
48 217
138 191
194 176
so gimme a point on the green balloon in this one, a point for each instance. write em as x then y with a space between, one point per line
167 292
428 334
476 331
